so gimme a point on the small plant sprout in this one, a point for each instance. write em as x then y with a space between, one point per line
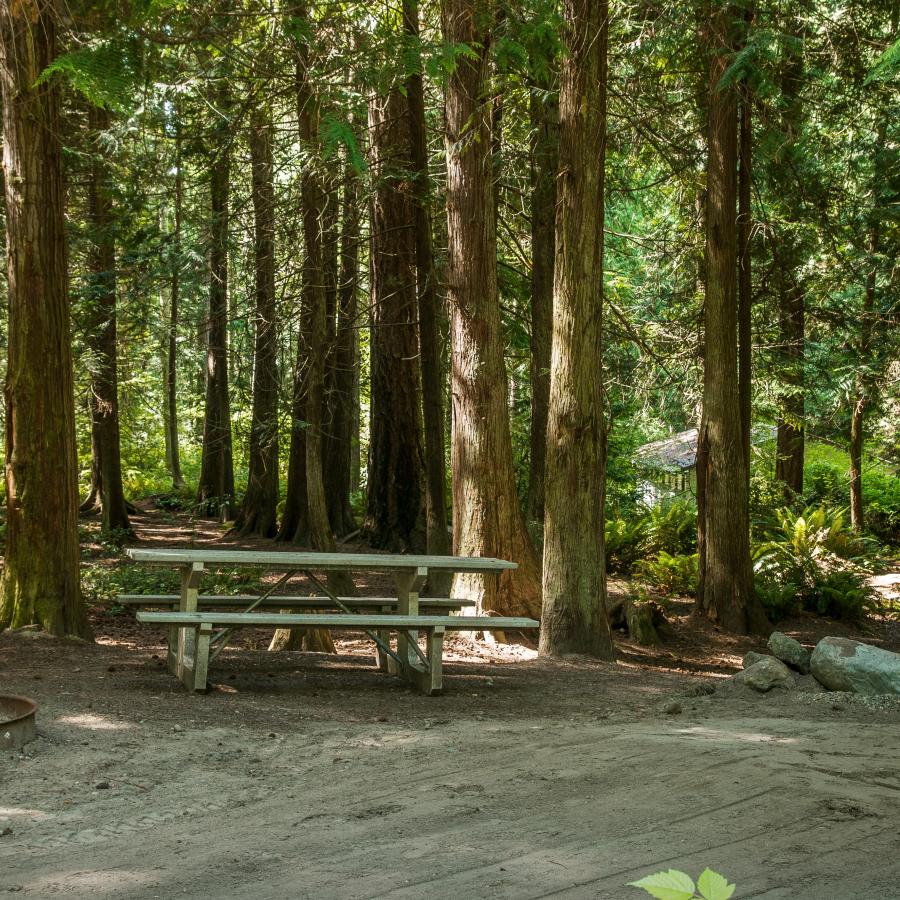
675 885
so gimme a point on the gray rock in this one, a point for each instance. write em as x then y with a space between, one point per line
844 665
753 657
766 674
789 651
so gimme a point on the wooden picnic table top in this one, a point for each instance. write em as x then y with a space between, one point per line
322 561
338 620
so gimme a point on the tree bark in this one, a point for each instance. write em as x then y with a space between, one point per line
106 464
216 486
863 385
789 257
544 166
487 518
306 512
40 582
745 275
574 613
344 371
258 513
432 373
726 595
395 510
171 402
790 436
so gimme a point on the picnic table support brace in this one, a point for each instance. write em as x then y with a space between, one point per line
382 639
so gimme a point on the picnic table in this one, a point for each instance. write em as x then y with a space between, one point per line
194 641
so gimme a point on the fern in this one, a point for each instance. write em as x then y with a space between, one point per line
104 74
887 65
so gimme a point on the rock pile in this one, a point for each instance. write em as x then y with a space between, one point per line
836 664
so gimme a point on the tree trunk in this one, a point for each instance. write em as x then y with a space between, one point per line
171 401
863 385
395 513
433 382
258 513
344 370
790 439
216 485
544 167
308 509
574 614
106 465
745 279
789 258
487 518
40 582
727 576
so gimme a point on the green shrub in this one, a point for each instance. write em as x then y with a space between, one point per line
829 485
813 561
672 527
626 542
670 573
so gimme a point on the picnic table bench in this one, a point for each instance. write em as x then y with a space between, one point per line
194 641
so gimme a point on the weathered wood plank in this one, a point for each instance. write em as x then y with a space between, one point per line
362 620
319 561
243 600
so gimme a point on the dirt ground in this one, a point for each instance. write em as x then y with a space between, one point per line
315 776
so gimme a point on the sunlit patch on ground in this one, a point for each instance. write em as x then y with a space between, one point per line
745 737
94 722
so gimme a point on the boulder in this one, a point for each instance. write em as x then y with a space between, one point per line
766 674
844 665
789 651
752 657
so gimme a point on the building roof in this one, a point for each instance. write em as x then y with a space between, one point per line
675 454
679 452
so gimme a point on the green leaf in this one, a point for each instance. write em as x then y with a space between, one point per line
671 885
713 886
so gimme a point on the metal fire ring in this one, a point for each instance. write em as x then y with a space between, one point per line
17 726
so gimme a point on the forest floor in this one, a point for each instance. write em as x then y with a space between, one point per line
315 776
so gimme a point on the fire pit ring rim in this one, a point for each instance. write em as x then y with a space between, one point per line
30 711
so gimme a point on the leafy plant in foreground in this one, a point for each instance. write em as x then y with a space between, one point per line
675 885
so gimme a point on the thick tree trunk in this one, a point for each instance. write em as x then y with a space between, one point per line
395 512
40 582
258 513
106 466
216 485
544 167
487 518
432 372
171 402
574 614
727 576
745 279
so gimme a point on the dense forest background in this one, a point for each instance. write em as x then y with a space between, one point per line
271 217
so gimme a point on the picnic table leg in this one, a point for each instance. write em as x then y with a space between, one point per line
194 669
408 586
184 640
430 680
